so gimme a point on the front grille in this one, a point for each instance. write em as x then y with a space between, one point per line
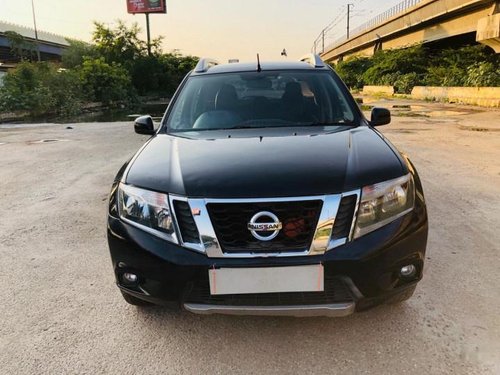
186 223
335 292
299 219
343 220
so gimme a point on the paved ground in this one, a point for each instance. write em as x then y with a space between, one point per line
60 312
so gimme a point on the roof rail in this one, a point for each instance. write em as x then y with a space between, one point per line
313 60
205 64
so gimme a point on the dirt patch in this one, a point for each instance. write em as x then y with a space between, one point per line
47 141
478 129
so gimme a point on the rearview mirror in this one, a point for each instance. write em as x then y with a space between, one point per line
380 116
144 125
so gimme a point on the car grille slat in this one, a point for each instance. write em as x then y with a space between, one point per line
186 223
345 214
299 220
335 291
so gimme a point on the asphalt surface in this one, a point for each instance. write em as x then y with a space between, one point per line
60 312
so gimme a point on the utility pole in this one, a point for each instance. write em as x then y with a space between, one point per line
349 6
36 31
323 41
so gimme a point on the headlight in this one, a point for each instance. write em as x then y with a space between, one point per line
147 210
384 202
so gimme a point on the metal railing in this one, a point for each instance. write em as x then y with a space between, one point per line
379 19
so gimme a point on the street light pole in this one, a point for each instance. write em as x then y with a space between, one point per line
36 31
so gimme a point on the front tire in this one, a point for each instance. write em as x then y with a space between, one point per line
134 300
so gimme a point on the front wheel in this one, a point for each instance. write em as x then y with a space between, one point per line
134 300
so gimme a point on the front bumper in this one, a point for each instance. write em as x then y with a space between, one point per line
299 311
367 268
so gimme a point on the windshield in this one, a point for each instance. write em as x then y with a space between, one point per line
259 100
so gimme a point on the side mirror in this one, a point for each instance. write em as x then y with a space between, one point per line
144 125
380 116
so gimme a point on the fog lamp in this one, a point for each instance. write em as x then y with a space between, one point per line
130 277
408 271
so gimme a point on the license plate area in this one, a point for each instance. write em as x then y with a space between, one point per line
225 281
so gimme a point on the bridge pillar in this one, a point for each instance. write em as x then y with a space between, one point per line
488 30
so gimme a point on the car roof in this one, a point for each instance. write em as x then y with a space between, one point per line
252 67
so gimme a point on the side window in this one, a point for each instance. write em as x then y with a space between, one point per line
180 112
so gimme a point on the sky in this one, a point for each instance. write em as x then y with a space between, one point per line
221 29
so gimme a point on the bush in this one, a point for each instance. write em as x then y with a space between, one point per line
106 83
351 71
41 88
405 83
475 65
388 66
111 71
484 74
466 66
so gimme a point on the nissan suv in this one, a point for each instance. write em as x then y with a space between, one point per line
265 191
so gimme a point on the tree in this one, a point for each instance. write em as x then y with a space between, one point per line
77 51
122 44
20 47
106 83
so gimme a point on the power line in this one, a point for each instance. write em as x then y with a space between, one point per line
328 27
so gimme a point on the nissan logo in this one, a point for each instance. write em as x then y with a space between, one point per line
273 226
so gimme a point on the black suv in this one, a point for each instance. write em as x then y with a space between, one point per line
265 191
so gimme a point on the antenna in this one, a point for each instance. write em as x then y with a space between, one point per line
259 69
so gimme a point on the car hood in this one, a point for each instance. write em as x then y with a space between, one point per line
260 166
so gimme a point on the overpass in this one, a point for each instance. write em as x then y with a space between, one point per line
51 45
421 21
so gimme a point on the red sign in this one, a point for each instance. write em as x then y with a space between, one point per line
146 6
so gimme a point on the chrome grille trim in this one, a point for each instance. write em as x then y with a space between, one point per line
210 245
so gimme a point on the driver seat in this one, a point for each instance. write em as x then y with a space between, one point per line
226 99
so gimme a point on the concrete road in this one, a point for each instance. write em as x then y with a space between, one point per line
60 312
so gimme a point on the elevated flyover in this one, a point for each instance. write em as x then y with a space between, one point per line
51 45
421 21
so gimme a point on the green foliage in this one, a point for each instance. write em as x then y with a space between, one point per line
393 67
405 68
77 51
40 88
20 47
352 70
176 67
122 44
452 67
111 70
406 82
485 74
159 73
103 82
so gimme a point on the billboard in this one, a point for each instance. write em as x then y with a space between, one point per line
146 6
